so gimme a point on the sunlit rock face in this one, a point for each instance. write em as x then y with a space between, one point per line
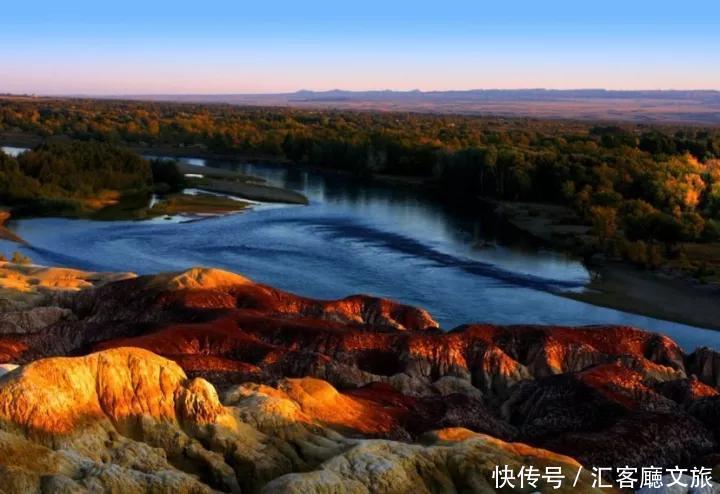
365 368
214 289
126 420
30 280
108 421
350 342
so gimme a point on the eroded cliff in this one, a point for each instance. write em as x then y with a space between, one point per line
126 420
317 392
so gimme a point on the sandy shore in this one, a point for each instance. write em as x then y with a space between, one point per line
252 191
223 181
618 285
623 287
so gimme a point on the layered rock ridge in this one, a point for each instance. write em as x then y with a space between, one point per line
382 373
126 420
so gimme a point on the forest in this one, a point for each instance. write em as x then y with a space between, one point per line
76 178
645 190
68 177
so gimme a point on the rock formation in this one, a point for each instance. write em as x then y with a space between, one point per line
26 285
319 393
126 420
31 320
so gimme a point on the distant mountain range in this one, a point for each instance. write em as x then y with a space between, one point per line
692 106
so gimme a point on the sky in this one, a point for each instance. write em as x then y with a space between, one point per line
105 47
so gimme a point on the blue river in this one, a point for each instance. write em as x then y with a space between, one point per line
462 266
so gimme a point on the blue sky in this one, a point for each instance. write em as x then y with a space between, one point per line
103 47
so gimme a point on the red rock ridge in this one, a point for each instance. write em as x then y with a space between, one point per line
583 391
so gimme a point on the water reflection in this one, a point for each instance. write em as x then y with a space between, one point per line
462 265
476 233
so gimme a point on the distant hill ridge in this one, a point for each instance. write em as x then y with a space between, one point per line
480 94
649 106
523 94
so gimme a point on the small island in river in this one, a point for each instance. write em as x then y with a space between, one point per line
103 181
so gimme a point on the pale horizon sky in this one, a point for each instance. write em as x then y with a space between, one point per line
161 47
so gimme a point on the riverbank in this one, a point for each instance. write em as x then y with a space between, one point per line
615 284
143 196
196 204
622 287
197 151
221 181
251 191
5 232
201 152
556 225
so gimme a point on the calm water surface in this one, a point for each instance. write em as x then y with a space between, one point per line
353 238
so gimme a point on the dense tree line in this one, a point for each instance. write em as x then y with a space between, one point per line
63 177
642 188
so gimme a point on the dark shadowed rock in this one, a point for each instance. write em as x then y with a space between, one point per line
607 415
32 320
705 364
